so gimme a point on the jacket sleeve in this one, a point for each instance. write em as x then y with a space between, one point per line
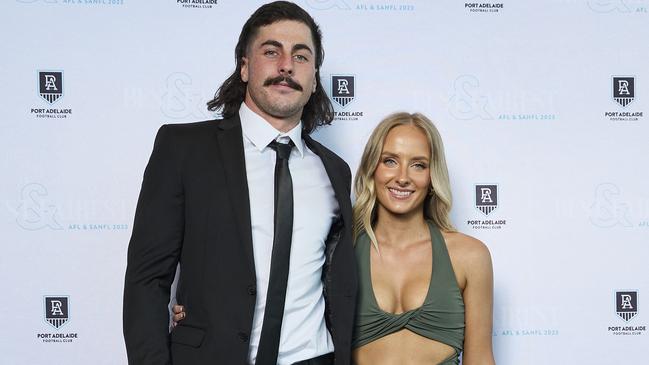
153 255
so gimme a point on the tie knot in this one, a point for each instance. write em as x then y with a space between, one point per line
283 149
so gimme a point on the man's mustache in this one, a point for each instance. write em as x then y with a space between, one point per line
289 82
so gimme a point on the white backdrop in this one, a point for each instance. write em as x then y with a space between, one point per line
522 92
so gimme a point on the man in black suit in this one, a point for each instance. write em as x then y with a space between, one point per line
221 199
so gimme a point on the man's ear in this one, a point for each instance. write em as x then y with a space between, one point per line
244 69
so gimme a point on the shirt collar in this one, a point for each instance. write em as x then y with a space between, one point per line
260 133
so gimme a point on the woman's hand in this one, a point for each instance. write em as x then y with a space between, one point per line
179 314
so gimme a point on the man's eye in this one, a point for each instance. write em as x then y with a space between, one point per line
270 52
301 58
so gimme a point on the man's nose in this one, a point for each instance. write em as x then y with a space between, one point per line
286 65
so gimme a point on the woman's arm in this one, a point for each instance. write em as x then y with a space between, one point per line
478 303
179 314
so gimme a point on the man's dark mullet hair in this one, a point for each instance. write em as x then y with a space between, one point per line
228 98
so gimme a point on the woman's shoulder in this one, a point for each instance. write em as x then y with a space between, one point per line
465 248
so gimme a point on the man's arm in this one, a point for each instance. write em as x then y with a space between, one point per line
153 255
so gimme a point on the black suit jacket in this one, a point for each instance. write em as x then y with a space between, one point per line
194 210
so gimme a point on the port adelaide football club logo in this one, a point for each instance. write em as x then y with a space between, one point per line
57 311
626 304
50 88
197 4
484 7
623 91
486 202
486 198
626 308
57 314
342 89
50 85
343 92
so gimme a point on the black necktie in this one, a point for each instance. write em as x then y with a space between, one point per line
271 328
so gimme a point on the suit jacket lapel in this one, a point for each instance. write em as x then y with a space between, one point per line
230 142
336 178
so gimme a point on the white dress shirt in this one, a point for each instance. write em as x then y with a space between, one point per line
304 332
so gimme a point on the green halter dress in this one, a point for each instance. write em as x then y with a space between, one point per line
440 318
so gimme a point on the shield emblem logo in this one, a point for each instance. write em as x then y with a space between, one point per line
50 85
626 304
342 89
623 90
57 311
486 198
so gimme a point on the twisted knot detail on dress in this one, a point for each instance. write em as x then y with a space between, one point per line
441 316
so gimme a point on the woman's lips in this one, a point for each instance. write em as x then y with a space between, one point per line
400 193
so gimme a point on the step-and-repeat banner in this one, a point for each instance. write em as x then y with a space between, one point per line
542 106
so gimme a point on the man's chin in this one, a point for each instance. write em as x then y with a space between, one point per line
285 114
280 106
284 110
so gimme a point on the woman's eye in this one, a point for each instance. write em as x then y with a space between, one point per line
389 162
420 166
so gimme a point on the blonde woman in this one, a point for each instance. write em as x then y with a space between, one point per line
425 290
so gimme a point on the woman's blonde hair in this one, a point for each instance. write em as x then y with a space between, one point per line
437 205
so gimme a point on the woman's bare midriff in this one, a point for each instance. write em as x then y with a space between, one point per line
402 347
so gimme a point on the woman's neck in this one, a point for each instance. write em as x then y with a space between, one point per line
400 229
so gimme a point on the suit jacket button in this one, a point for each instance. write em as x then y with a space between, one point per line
252 290
243 337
